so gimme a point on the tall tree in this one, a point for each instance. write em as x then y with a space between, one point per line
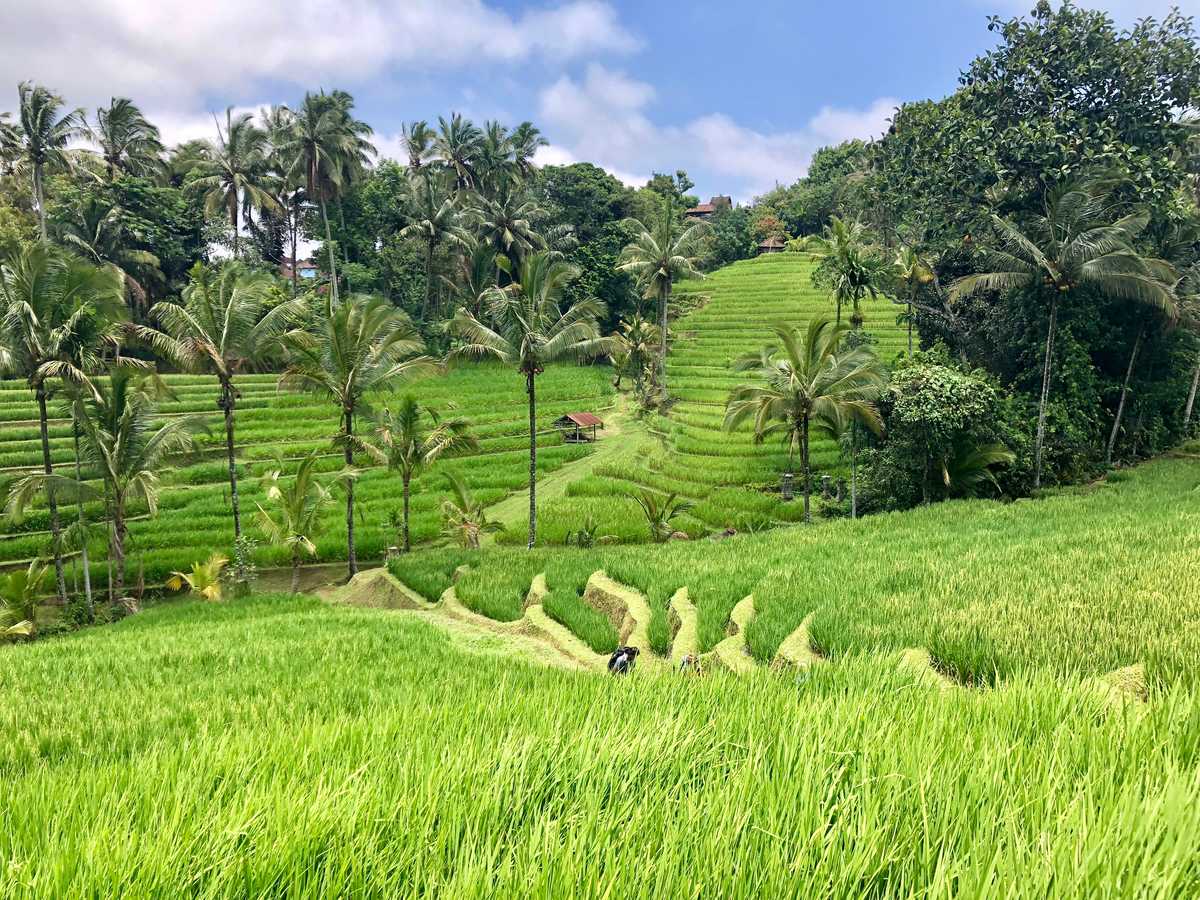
231 172
847 264
527 329
809 379
128 142
660 254
435 221
413 438
224 326
508 222
331 148
51 308
1055 254
418 143
912 273
42 134
457 147
360 346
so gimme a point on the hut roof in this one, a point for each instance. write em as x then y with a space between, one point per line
582 419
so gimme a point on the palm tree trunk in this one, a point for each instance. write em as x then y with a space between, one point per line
295 241
228 398
333 289
428 280
83 548
664 301
1191 400
39 194
405 479
118 546
351 556
1039 441
295 572
233 219
1112 437
807 471
530 388
910 327
853 474
48 468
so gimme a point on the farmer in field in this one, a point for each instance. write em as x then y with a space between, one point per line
622 660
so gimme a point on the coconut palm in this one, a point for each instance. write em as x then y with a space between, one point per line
223 326
41 136
967 468
1188 291
298 506
527 329
525 141
55 316
660 510
231 172
1073 246
508 223
636 340
128 142
127 443
463 517
457 147
812 382
476 275
660 254
331 148
413 438
204 580
847 265
912 273
20 591
435 221
360 346
418 144
95 229
278 121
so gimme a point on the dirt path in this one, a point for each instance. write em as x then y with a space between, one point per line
623 435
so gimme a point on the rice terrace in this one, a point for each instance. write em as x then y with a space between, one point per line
485 449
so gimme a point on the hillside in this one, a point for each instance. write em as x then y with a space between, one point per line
314 748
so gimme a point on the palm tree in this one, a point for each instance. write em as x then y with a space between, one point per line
659 511
525 141
847 264
418 143
278 121
463 517
843 424
435 220
128 142
966 467
205 578
636 339
231 174
330 147
42 135
224 326
1070 247
95 229
19 593
477 273
812 382
127 443
529 330
912 273
406 444
298 507
52 308
1188 291
661 254
361 346
457 147
508 222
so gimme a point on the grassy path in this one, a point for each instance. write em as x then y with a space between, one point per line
623 435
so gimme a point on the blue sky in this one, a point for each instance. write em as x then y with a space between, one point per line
739 95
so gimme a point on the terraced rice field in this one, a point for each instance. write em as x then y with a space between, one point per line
1080 584
284 746
730 480
194 518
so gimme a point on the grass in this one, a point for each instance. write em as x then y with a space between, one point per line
194 516
1077 584
281 747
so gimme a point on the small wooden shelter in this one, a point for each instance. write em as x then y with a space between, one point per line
772 244
578 427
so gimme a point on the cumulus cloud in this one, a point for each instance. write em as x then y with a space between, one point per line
602 117
172 53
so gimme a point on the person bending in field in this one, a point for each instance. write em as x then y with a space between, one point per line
622 660
690 665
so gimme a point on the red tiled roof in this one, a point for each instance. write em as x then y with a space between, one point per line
702 208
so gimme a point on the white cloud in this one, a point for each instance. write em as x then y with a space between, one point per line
602 117
177 51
